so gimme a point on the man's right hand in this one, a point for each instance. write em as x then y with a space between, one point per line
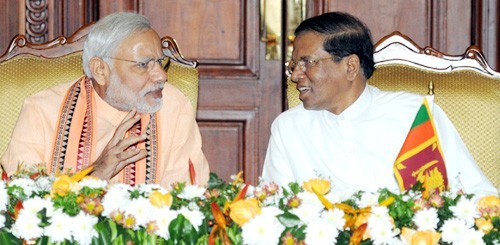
118 153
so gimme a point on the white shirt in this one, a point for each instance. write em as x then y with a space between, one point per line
357 149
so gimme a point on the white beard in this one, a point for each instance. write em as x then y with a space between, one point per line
124 99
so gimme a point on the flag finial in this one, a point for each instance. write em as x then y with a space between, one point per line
431 88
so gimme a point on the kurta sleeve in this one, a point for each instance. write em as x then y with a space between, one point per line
186 147
276 166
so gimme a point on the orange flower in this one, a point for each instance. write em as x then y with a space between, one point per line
362 219
321 186
414 237
160 200
484 225
489 206
242 211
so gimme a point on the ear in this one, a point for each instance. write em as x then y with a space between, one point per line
100 70
353 67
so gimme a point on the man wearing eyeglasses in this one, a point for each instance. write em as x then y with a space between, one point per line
122 117
346 130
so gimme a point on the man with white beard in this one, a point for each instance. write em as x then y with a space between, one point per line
121 117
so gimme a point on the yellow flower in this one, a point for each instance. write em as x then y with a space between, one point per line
489 206
243 210
160 200
484 225
62 185
414 237
322 186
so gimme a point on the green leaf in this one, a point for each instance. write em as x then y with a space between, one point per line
104 234
8 238
288 219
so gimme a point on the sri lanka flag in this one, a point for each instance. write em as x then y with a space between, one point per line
421 157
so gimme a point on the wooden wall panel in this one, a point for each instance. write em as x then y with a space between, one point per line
411 17
238 97
9 23
447 25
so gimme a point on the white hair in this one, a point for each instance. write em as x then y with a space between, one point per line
108 33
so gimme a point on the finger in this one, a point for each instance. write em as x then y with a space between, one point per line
127 123
125 143
134 157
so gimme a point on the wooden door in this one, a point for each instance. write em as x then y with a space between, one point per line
240 91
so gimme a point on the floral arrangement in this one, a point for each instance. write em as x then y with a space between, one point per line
77 209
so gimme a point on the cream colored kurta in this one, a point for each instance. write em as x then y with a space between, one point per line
179 137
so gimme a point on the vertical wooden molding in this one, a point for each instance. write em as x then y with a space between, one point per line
497 35
438 28
476 24
22 18
37 20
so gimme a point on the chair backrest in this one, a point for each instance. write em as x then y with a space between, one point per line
27 68
465 87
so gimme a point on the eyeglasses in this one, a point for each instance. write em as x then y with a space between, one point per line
146 65
303 64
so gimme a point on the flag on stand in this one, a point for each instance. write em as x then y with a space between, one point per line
421 157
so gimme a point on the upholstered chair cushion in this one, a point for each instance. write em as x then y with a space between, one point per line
23 76
185 78
470 99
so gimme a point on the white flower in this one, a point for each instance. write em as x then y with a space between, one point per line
321 232
465 210
44 183
195 217
380 227
83 228
471 237
192 191
368 199
4 197
309 198
263 229
382 234
163 217
59 228
140 209
380 216
36 204
93 183
307 213
453 229
426 219
27 226
310 207
28 186
336 217
117 196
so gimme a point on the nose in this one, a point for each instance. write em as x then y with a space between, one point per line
297 73
158 73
